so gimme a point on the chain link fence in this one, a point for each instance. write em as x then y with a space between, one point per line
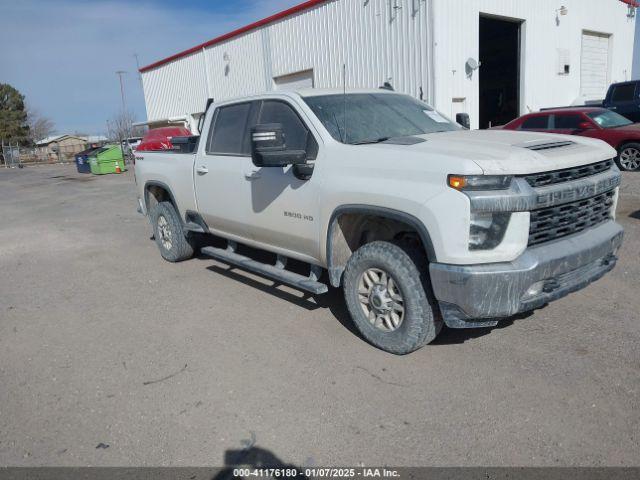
14 155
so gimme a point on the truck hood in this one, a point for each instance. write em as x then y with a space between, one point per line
516 153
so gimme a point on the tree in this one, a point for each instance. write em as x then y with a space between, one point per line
39 126
13 115
119 127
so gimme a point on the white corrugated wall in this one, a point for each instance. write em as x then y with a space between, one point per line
382 40
457 34
375 41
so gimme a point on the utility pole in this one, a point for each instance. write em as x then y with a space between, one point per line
120 73
135 55
125 114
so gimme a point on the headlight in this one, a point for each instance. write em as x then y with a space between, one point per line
487 229
480 182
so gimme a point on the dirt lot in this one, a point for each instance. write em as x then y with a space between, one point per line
101 341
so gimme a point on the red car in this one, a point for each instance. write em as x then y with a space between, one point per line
616 130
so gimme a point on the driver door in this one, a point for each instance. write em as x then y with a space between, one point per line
284 208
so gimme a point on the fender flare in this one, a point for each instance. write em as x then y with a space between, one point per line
335 271
164 186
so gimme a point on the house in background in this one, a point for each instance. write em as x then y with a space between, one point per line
63 148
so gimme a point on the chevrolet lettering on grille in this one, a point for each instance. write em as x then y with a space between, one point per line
576 193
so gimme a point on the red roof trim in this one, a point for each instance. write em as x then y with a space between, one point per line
278 16
632 3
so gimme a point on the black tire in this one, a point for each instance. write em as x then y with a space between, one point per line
409 268
180 245
632 149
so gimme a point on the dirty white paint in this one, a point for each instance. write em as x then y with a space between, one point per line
417 45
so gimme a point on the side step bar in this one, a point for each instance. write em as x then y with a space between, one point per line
275 272
193 227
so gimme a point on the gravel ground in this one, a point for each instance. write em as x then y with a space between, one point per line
103 342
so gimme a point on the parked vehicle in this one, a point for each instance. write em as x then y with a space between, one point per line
600 123
421 222
624 98
131 144
160 138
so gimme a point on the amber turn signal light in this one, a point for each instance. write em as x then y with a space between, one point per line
457 182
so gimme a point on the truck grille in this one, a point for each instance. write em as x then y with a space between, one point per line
561 220
567 174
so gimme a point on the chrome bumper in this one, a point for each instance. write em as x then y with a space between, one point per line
477 295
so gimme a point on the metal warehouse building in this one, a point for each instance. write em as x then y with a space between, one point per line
494 59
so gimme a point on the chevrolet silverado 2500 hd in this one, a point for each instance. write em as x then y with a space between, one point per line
421 222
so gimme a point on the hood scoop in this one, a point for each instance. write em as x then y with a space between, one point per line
545 145
404 140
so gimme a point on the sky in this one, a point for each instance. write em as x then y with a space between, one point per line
63 54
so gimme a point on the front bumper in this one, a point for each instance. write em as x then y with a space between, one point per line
477 295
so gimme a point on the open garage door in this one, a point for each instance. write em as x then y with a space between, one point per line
594 65
499 82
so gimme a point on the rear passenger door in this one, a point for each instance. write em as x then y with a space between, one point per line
220 182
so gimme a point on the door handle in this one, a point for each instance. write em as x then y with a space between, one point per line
202 170
252 175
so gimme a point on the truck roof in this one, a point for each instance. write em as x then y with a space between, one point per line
577 109
316 92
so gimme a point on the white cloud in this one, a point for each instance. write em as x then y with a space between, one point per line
63 54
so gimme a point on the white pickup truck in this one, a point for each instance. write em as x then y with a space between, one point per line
420 221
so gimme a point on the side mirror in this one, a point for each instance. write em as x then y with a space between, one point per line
463 119
585 126
269 147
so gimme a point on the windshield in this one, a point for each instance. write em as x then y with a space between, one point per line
375 117
609 119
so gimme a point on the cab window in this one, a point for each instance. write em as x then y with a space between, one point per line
568 122
229 130
540 122
296 134
623 93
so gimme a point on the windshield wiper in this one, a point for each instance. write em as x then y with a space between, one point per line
367 142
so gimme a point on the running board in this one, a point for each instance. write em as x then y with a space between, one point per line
273 272
193 227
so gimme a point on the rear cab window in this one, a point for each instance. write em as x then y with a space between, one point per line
624 93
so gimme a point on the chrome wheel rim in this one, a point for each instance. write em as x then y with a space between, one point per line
381 299
165 232
630 158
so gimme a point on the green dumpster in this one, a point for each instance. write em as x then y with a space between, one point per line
107 159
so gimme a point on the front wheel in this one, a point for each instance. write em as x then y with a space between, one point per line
629 157
387 293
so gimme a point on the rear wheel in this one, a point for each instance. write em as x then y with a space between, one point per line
174 243
388 296
629 157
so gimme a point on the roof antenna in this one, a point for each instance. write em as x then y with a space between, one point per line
344 98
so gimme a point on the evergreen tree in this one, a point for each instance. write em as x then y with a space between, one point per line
13 115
